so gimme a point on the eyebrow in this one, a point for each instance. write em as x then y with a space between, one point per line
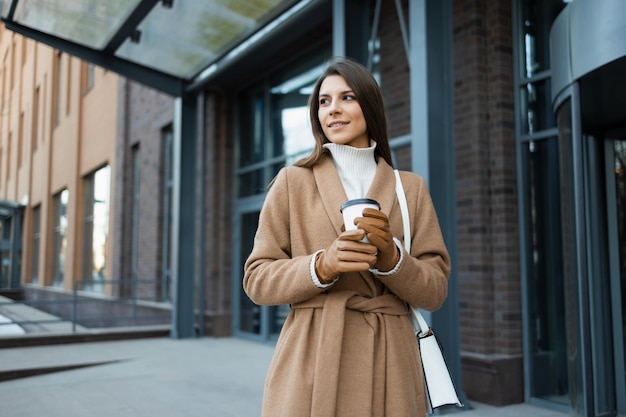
343 92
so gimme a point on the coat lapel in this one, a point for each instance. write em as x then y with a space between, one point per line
383 187
333 194
331 190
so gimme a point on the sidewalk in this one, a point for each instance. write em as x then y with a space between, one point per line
154 377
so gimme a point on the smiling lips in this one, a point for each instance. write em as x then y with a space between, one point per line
337 124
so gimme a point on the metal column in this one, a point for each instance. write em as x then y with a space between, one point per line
432 121
183 217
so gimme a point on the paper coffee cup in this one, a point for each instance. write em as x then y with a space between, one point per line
352 209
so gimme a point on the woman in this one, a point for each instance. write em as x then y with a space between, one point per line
347 347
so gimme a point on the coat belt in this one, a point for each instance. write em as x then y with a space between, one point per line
328 352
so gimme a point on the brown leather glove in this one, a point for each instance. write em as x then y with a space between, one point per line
346 254
376 226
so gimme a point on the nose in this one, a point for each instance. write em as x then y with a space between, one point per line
334 107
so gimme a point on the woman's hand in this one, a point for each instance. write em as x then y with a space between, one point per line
376 226
347 253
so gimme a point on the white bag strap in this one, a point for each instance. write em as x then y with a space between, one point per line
424 328
405 212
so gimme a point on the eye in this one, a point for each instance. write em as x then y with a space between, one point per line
349 97
324 101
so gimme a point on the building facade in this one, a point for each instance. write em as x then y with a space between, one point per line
57 153
517 123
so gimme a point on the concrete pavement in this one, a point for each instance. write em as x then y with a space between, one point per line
154 377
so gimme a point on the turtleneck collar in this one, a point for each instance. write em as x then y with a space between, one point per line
353 162
356 167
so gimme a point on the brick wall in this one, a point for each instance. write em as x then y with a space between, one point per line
488 258
218 234
147 113
394 79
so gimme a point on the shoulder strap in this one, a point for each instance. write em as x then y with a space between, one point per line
405 212
406 224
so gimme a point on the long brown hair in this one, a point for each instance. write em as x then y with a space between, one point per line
370 99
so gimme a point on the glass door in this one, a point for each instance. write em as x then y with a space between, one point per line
574 254
593 211
615 157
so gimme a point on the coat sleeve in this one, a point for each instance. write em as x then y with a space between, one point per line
422 279
272 276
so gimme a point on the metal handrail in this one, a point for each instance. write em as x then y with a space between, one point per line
81 297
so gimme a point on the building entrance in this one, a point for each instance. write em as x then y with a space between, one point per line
616 204
593 235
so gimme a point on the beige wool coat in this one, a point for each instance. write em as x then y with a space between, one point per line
348 350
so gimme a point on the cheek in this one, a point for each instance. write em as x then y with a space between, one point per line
320 119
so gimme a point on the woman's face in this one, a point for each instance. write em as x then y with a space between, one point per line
340 113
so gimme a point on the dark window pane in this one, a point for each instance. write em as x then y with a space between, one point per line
536 107
251 127
620 197
545 274
251 183
249 313
537 17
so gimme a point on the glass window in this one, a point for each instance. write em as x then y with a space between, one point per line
60 237
274 128
35 245
289 94
87 76
251 126
205 30
545 273
6 280
274 131
537 17
545 309
536 107
570 260
96 229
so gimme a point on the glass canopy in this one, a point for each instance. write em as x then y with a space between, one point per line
176 37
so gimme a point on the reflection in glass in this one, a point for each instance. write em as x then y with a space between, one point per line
291 131
545 274
569 242
536 107
537 17
298 139
60 239
96 229
274 125
100 221
620 194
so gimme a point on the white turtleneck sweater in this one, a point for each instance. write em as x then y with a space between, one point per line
356 167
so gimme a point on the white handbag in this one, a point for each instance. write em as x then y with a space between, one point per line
440 389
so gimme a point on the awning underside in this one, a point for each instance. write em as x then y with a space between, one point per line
175 38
